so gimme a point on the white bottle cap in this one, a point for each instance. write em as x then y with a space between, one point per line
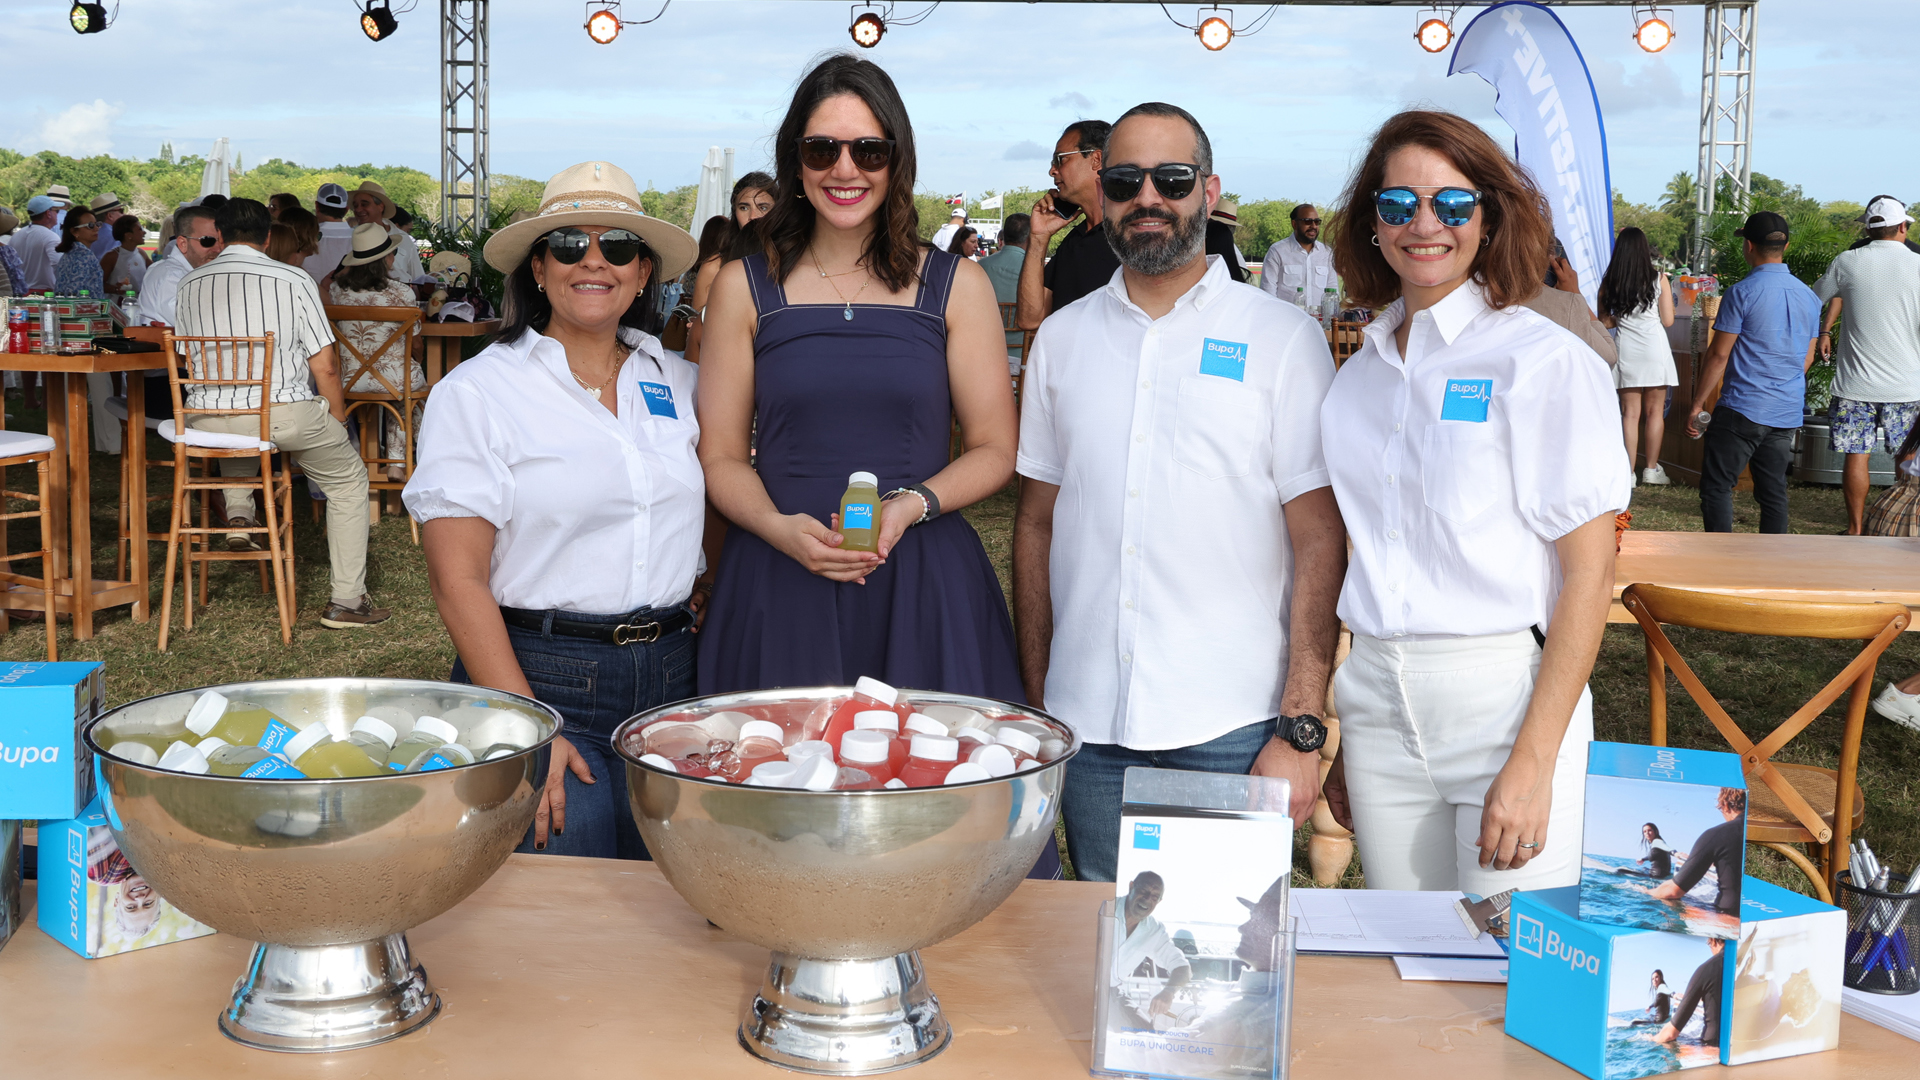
974 734
338 728
955 716
762 729
966 772
866 478
877 690
894 784
864 747
923 724
810 748
1019 740
397 718
818 773
935 748
306 741
207 711
504 751
183 758
437 728
377 728
877 720
1029 763
209 744
137 752
1052 748
997 760
777 774
659 762
726 725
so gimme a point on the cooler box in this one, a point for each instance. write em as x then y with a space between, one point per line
93 901
1786 979
1601 999
1665 839
46 770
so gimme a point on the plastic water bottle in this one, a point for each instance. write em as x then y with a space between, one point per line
1300 297
131 309
1329 308
1700 421
49 329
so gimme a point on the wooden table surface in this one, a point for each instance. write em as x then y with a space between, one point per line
1789 567
587 967
440 337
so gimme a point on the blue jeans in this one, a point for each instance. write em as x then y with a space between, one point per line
596 686
1095 776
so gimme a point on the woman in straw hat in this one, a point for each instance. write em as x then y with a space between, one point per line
855 346
561 495
363 280
371 206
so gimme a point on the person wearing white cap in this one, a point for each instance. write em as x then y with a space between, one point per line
1876 382
35 242
336 236
943 236
560 497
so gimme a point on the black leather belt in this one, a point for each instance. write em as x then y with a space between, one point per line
635 629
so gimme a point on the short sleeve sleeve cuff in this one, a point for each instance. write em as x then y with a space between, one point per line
459 473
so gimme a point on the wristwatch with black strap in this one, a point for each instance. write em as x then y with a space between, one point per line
1304 733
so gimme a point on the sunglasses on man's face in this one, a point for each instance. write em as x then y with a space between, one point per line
1173 180
1451 205
205 241
617 246
821 152
1060 159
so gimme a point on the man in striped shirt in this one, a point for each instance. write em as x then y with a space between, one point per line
243 293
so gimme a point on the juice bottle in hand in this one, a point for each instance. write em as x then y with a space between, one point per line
868 694
929 760
860 513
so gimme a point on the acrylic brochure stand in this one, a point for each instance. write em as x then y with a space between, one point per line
1194 976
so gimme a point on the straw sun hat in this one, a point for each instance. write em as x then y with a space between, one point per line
371 243
388 207
594 193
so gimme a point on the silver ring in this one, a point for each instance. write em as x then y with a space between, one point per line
1529 845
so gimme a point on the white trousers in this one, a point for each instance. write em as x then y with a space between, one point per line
1424 728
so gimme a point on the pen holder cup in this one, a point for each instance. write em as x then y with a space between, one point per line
1883 936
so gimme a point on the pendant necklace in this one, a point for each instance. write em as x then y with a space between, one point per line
596 391
847 312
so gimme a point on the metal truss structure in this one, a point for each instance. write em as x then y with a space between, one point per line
463 115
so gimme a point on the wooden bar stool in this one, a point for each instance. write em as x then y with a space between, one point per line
26 448
224 368
398 402
117 407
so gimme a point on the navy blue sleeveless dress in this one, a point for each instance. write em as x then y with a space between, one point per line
834 397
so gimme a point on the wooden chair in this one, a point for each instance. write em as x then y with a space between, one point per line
1345 339
27 448
224 365
1786 804
117 407
398 402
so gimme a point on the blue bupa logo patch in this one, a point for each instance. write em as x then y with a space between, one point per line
1146 836
1467 400
1227 359
659 398
859 516
1527 933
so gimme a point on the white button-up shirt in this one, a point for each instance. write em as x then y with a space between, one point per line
1459 465
1174 441
597 513
34 244
336 243
1288 266
162 286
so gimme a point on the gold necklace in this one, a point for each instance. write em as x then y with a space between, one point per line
846 313
596 391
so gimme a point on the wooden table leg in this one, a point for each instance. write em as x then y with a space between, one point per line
56 396
136 451
436 359
79 496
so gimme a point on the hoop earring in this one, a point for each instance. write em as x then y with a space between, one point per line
541 285
1376 239
1487 239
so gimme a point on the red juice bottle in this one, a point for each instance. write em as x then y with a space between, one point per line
868 694
1023 745
855 780
868 751
885 722
929 760
760 741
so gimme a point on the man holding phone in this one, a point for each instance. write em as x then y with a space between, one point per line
1085 261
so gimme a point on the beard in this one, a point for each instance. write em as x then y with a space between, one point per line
1157 253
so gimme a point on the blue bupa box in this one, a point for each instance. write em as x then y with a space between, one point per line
45 768
93 901
1665 839
1613 1002
1786 978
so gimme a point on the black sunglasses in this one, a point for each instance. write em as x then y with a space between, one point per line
1453 206
617 246
1122 183
820 152
205 241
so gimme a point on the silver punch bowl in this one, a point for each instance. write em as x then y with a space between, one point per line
845 887
326 875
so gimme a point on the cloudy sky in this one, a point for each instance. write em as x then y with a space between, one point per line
989 86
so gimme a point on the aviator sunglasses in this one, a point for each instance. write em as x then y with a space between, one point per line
820 152
1451 205
1173 180
617 246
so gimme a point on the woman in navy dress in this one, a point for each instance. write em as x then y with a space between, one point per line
853 345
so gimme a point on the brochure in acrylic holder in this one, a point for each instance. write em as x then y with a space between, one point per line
1194 978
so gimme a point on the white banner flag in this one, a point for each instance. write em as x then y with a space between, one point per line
993 203
1542 89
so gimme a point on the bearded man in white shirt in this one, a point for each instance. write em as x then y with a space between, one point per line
1300 264
1177 549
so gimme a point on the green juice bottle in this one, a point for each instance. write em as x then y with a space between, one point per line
317 754
225 759
860 513
239 723
429 733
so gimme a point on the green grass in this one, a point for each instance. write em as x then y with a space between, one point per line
1760 680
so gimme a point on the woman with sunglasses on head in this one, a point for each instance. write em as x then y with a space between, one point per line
1475 452
752 201
79 268
855 345
560 495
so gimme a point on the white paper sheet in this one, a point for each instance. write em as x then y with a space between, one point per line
1896 1012
1450 969
1381 922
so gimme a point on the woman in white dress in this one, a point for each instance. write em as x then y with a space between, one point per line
1636 303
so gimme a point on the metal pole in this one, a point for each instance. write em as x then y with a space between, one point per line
463 115
1726 112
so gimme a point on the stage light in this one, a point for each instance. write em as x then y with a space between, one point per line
867 30
1434 35
1651 32
1214 33
377 22
603 23
88 18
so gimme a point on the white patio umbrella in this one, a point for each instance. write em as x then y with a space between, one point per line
213 178
716 188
